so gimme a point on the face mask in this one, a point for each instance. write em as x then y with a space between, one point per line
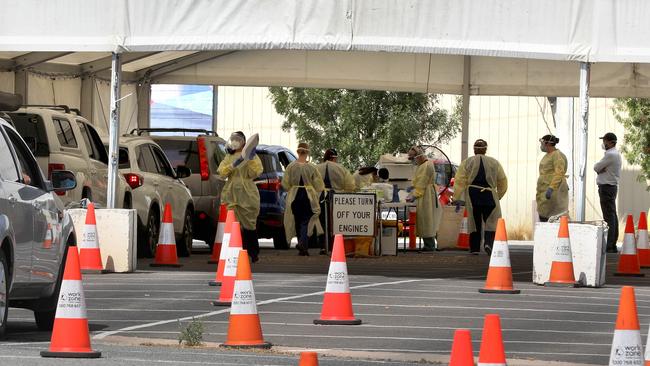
234 144
603 146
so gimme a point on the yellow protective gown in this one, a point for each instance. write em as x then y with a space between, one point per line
362 181
552 173
240 192
428 208
340 178
313 184
496 179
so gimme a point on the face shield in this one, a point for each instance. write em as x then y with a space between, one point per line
235 143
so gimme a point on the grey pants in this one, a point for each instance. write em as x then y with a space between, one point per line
607 195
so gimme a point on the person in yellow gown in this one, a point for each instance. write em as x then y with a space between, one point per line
552 188
425 195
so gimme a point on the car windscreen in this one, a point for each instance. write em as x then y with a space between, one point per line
181 152
32 129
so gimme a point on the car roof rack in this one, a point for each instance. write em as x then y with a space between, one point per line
140 131
61 107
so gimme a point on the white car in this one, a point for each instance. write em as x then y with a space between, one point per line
62 140
154 183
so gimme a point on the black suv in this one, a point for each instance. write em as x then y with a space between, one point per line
270 222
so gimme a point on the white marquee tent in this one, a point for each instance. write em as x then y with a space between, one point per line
60 50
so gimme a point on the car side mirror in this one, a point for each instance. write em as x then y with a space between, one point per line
183 172
63 180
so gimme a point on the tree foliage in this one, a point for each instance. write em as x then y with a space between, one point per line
634 115
362 124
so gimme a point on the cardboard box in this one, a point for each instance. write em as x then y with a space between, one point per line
449 227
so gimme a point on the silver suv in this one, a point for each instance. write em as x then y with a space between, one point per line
62 140
34 232
201 152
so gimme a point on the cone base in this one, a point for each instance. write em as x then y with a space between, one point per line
222 303
622 274
490 291
51 354
214 283
337 322
264 345
165 265
94 271
561 284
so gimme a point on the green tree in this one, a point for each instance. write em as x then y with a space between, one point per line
363 124
634 115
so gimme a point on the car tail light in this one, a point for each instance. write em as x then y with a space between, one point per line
52 167
202 215
272 184
203 159
133 180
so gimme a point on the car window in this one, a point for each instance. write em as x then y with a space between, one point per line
96 143
124 162
28 167
268 162
219 151
8 170
163 163
146 161
32 129
84 136
285 159
181 152
64 133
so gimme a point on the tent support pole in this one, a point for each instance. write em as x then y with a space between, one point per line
114 130
464 132
581 187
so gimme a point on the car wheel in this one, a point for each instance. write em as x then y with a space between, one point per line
184 242
45 313
4 293
280 239
151 235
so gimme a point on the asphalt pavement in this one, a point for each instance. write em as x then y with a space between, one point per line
410 306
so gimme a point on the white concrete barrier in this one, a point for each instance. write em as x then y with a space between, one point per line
588 243
117 236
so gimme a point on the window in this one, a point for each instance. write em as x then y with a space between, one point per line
163 163
84 135
8 170
181 106
32 129
64 133
219 151
146 161
29 169
268 162
285 159
181 152
93 142
124 159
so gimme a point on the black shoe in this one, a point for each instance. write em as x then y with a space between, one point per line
488 249
255 259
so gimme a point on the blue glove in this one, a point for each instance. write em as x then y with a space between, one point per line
409 189
237 162
251 156
459 203
549 192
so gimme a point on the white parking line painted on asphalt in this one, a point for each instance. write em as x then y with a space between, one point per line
204 315
446 351
460 307
487 298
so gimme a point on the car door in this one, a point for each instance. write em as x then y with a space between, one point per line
18 209
45 215
98 161
176 192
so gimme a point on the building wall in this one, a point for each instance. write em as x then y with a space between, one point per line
512 127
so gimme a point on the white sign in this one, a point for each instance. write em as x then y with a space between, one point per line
354 214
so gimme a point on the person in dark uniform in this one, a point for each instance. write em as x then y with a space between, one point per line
480 184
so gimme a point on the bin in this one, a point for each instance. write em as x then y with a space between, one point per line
588 244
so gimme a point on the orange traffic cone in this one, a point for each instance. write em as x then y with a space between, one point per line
627 348
90 257
308 359
244 329
70 337
499 277
461 349
230 268
642 244
463 233
166 249
562 266
628 260
218 238
47 240
492 352
230 218
337 303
